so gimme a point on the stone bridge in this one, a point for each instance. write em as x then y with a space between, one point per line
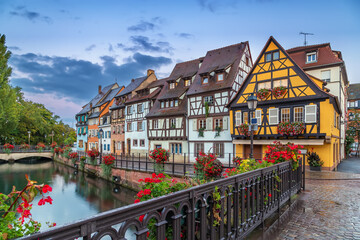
14 156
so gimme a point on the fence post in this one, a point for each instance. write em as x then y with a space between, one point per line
132 161
184 164
173 164
303 172
139 162
229 160
146 162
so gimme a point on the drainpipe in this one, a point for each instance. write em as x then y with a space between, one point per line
188 136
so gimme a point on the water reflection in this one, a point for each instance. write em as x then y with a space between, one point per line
76 195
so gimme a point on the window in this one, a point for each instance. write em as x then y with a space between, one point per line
156 124
205 80
220 77
258 116
325 75
129 129
202 123
176 148
172 85
162 105
129 110
142 142
311 57
245 117
310 113
280 83
218 122
276 55
187 82
285 115
176 102
104 147
139 126
173 123
157 146
247 61
108 147
264 85
268 57
139 108
237 118
209 100
273 116
199 147
167 104
171 103
81 143
298 114
135 142
219 150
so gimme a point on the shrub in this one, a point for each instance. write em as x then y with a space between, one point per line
278 152
107 164
313 159
93 153
8 148
207 167
40 147
160 156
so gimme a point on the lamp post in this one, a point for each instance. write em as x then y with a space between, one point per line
29 137
252 104
101 149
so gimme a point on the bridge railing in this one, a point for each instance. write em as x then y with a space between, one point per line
18 149
246 200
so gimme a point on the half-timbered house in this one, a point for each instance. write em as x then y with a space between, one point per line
218 79
287 96
136 108
117 111
167 125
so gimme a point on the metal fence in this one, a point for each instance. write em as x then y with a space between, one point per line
246 200
18 149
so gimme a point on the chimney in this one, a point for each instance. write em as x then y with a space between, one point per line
99 88
150 71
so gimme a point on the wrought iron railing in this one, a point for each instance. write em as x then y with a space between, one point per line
246 201
18 149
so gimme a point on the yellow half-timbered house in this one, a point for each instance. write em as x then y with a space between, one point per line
286 94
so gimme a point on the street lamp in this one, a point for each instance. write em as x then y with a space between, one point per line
29 137
252 104
101 136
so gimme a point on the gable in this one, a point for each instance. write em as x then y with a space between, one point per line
274 68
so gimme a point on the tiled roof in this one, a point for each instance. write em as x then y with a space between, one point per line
185 69
96 99
218 59
109 97
325 55
132 86
139 98
354 91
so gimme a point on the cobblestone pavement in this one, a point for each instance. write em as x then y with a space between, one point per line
328 209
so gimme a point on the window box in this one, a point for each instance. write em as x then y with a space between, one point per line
279 92
291 129
263 94
244 129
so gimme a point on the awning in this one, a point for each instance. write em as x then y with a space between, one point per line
283 141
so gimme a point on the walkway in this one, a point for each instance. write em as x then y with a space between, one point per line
329 208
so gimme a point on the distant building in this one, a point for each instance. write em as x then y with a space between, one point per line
354 112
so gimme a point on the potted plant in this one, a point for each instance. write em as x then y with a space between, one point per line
201 132
8 148
108 162
93 153
73 156
82 162
160 156
40 147
263 94
244 129
314 160
279 92
24 146
218 130
290 129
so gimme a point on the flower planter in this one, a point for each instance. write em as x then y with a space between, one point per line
279 92
263 94
318 169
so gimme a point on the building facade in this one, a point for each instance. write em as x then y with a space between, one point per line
302 101
82 130
219 77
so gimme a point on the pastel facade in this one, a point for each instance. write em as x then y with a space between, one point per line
219 77
81 131
304 100
105 141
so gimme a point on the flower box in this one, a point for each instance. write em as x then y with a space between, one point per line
279 92
291 129
244 129
263 94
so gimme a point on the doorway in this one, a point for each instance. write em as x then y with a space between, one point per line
128 146
257 151
123 147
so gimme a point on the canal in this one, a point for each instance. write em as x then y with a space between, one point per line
76 195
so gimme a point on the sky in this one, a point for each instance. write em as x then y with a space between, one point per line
62 50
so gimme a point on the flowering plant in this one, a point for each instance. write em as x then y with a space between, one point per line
66 151
244 129
82 162
313 159
24 146
279 92
108 162
263 93
207 167
156 186
93 153
73 156
57 150
291 129
18 203
246 165
278 152
237 160
160 156
8 148
40 147
53 145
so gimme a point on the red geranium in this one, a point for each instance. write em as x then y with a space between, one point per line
159 155
109 160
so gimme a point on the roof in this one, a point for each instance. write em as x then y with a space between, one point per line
139 98
218 59
185 69
157 83
325 55
109 97
354 91
132 86
96 99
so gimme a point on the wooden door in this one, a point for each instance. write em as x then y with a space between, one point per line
257 151
123 147
129 146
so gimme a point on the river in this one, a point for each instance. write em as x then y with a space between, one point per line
75 195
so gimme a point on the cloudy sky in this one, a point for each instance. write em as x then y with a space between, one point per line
63 49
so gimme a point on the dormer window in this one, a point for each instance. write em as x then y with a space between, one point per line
220 77
276 55
171 103
205 80
162 105
187 82
268 57
172 85
311 57
176 103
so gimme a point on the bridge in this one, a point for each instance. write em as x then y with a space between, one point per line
17 153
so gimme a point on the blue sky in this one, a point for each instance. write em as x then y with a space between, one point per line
63 49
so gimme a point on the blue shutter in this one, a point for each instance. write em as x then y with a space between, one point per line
86 130
108 147
180 148
109 134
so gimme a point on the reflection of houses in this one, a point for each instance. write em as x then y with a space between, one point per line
136 109
326 64
301 100
118 115
218 79
99 110
167 127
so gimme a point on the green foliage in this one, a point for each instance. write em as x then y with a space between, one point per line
206 109
201 132
313 159
349 140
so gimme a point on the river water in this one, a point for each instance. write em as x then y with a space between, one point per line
76 195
